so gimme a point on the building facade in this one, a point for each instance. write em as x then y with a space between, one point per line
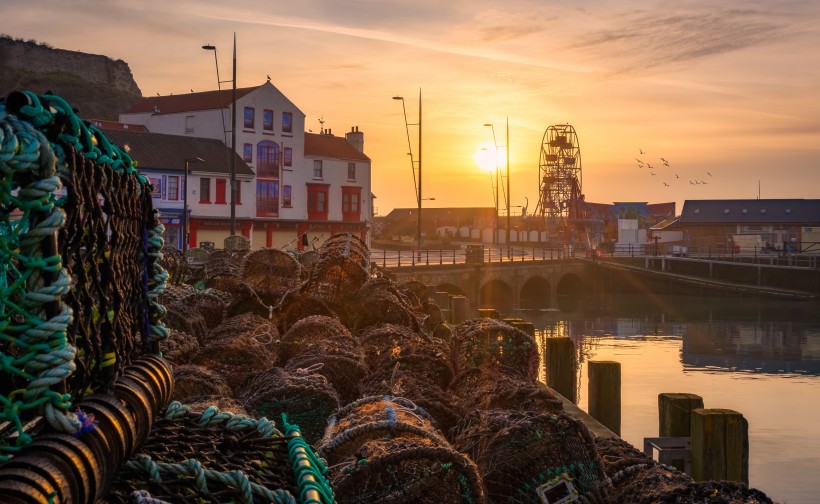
286 197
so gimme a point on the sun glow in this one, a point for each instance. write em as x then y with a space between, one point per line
487 157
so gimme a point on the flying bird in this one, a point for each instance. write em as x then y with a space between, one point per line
642 152
652 173
638 160
707 173
676 176
665 162
649 166
667 185
703 182
691 182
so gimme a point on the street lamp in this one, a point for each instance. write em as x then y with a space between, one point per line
407 125
495 144
188 161
209 47
507 197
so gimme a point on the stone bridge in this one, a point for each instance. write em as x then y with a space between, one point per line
506 286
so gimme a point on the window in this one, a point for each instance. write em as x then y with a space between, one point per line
317 203
267 197
288 156
204 190
267 159
220 191
287 122
267 120
351 171
286 201
351 203
172 188
247 153
317 168
249 112
189 124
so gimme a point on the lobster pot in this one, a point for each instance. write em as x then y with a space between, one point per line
260 327
487 342
209 457
418 289
222 271
271 273
379 341
308 260
423 359
296 306
307 399
236 355
636 477
382 307
180 347
342 366
197 383
502 388
517 452
309 331
210 304
385 449
444 408
173 263
336 277
348 246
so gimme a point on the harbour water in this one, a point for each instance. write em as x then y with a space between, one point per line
758 357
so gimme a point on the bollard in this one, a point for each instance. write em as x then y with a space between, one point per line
527 327
675 413
605 393
720 445
560 362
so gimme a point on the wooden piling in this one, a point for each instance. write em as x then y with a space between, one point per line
674 419
527 327
605 393
674 413
458 306
720 445
442 299
490 313
560 360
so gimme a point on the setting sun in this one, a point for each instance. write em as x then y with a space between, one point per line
487 158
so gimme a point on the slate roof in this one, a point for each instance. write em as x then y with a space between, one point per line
330 146
188 102
751 211
157 151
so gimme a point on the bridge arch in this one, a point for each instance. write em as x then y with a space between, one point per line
535 294
568 292
497 294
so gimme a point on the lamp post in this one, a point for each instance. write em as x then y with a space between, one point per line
495 144
507 197
188 162
209 47
413 163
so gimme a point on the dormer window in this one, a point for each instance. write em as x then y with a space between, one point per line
725 210
788 210
762 210
697 210
745 210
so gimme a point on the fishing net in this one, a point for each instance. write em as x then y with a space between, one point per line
385 449
307 399
342 366
79 251
638 478
309 331
518 451
209 457
270 273
181 317
444 407
501 388
194 383
246 323
175 293
179 347
488 342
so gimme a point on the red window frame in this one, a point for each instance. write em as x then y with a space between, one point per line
318 201
219 196
351 203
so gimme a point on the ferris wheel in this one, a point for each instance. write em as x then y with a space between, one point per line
559 175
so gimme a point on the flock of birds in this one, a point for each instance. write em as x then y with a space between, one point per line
651 169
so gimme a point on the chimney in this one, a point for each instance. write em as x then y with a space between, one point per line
355 138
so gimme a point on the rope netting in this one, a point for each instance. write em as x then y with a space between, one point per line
310 331
498 387
343 367
74 212
271 273
517 452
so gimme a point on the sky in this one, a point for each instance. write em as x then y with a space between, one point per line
727 92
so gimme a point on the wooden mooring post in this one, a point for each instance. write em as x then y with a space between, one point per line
458 309
604 393
674 420
720 445
560 362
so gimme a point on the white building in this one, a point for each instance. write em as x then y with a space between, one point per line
302 182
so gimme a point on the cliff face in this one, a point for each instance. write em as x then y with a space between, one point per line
97 86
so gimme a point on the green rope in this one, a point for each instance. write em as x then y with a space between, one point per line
213 417
309 469
235 480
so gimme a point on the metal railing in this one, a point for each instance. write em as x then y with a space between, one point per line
481 255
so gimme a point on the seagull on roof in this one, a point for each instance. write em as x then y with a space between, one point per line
268 78
158 93
192 90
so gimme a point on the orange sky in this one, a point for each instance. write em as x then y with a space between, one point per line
730 88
